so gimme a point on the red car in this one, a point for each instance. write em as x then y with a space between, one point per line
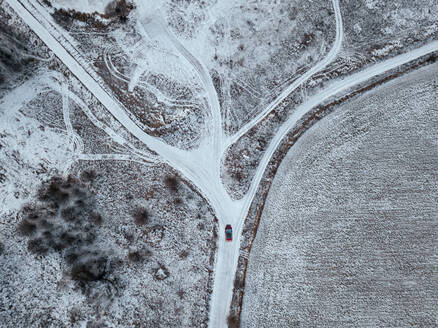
228 232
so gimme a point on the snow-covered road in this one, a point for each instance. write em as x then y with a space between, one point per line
228 253
200 166
215 119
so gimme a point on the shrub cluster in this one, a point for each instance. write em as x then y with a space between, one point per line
64 220
172 183
116 9
141 216
139 255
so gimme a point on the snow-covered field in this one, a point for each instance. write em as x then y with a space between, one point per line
169 112
348 233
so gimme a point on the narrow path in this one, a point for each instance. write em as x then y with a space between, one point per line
303 78
156 24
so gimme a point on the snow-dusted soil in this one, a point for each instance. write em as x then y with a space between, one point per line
51 125
381 26
259 48
388 28
149 90
142 68
180 234
375 30
250 60
348 233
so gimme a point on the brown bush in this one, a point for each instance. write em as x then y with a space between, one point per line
135 256
118 8
96 218
71 257
37 246
141 216
45 224
239 283
88 175
26 228
233 321
172 183
183 254
88 272
69 213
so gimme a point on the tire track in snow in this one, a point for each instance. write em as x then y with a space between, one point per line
216 119
303 78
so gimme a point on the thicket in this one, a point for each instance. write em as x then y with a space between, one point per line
117 9
172 183
16 59
64 220
233 321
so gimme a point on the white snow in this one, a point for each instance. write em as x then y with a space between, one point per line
85 6
371 4
202 166
373 155
31 147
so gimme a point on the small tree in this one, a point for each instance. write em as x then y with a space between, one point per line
141 216
172 183
37 246
88 175
26 228
135 256
180 293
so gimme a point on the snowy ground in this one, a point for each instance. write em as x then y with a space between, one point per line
85 6
51 125
348 234
148 59
373 31
145 91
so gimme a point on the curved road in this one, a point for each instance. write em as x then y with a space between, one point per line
303 78
228 253
156 28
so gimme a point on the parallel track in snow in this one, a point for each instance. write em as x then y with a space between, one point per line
330 57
